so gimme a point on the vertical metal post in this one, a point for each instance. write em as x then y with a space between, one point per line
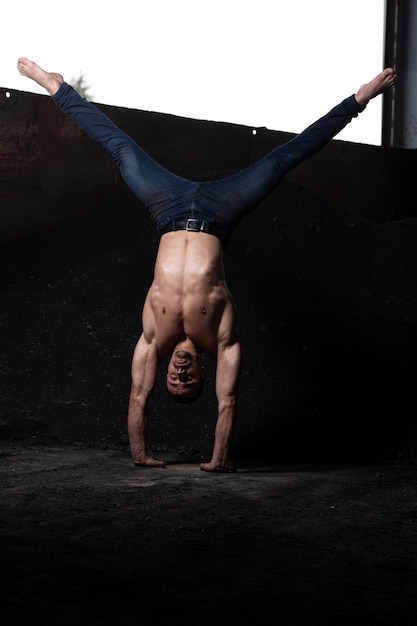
399 115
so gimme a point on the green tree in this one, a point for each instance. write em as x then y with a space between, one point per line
81 86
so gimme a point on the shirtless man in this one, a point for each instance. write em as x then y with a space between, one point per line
188 309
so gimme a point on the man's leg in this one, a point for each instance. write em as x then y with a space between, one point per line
143 175
241 192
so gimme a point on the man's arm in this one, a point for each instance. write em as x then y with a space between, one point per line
227 387
144 372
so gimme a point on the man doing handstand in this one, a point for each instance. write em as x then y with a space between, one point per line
188 309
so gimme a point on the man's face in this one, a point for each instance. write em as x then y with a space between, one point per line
185 374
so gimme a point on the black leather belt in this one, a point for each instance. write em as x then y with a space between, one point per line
195 225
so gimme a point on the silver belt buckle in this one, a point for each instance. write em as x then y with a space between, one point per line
194 224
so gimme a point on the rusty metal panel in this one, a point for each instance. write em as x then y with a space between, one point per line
52 174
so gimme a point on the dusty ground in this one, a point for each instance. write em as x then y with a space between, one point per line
88 539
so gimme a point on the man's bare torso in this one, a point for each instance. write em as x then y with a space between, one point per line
189 296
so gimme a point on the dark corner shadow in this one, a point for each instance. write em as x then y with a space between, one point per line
298 468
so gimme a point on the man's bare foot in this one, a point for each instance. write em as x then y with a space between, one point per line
51 81
216 469
149 462
385 80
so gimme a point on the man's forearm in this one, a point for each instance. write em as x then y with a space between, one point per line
137 424
227 389
222 438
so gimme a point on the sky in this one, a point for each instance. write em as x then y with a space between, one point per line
279 64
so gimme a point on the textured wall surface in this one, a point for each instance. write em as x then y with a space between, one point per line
323 274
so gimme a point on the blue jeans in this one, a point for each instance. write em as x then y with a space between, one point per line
215 206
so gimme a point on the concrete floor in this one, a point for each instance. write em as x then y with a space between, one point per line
86 538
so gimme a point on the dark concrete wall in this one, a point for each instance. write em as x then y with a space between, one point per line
323 275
